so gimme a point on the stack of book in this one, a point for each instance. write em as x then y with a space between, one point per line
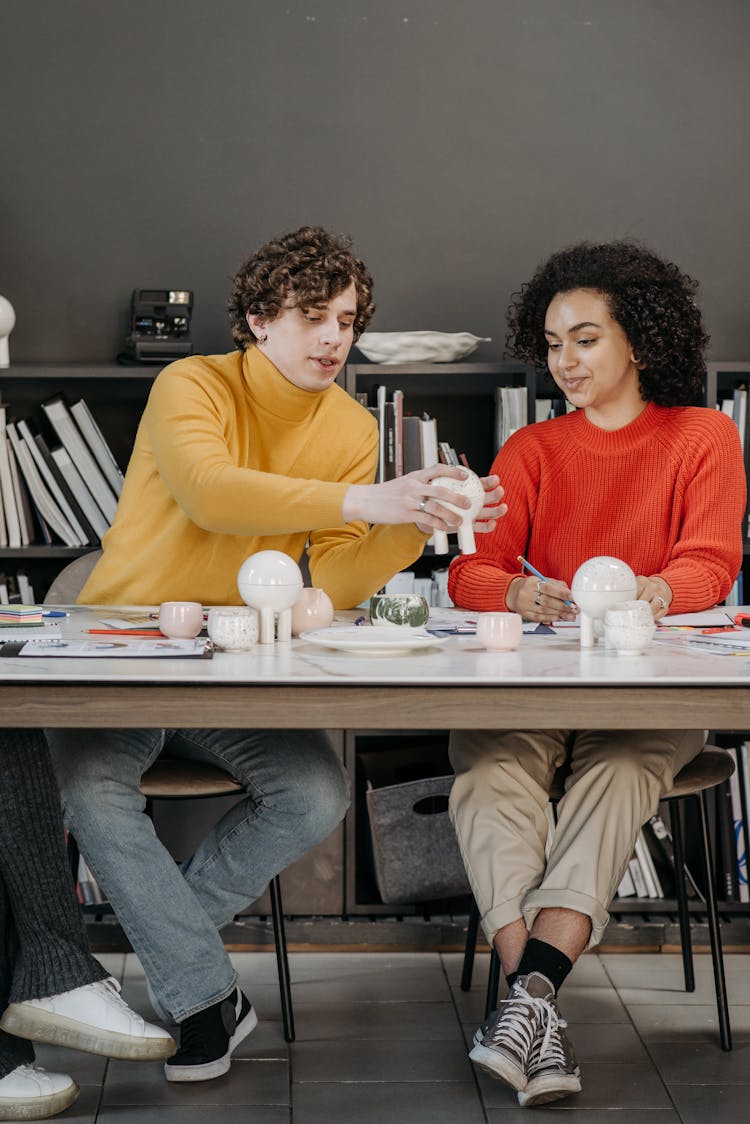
64 489
408 442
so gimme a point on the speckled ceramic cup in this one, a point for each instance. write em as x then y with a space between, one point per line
499 632
629 627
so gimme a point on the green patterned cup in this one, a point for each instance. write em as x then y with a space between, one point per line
399 610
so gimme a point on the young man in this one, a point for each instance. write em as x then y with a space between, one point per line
257 449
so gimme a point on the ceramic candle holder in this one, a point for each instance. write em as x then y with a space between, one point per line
629 627
312 609
471 486
180 620
499 632
597 584
270 581
233 628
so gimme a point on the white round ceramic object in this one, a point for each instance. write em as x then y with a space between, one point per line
269 579
312 609
233 628
470 486
604 575
499 632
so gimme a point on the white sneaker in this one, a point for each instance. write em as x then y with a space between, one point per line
30 1093
93 1018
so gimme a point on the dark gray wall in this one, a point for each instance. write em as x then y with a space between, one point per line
156 142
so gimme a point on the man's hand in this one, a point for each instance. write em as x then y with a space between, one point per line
414 499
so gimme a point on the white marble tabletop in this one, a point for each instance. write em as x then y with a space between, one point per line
541 660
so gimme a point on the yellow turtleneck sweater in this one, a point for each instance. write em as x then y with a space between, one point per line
231 458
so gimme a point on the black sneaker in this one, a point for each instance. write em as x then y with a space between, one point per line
208 1039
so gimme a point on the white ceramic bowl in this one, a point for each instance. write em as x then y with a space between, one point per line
269 579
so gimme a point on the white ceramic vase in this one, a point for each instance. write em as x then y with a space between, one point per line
270 581
598 583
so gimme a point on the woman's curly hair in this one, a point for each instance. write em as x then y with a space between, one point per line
651 300
309 267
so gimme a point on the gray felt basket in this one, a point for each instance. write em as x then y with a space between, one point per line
414 845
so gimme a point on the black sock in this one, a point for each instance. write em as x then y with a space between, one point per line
538 956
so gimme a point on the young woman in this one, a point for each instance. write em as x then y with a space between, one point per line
51 987
638 471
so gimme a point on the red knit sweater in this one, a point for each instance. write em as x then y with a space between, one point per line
666 494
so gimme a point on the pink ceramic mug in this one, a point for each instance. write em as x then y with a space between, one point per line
499 632
181 620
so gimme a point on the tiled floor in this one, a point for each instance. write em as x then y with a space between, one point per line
381 1040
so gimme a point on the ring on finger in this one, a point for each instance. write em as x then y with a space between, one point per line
422 503
661 600
537 600
539 586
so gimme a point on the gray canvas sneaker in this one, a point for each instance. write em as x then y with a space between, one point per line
506 1040
552 1070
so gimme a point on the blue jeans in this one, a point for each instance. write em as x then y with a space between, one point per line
297 793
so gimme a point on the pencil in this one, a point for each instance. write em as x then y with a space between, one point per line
536 574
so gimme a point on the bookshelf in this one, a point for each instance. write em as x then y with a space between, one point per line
115 395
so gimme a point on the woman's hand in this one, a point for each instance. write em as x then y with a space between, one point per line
538 600
657 593
414 499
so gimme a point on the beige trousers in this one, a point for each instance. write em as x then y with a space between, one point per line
517 859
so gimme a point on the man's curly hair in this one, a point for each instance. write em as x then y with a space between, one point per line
651 300
308 267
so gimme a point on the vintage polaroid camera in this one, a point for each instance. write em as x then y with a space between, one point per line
159 326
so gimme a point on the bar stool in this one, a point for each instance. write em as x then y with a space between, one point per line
712 766
173 779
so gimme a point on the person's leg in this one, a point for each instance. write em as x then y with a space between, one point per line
499 804
13 1051
34 868
58 992
616 781
176 941
296 795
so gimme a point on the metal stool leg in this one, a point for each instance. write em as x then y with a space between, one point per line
282 963
470 947
712 912
686 941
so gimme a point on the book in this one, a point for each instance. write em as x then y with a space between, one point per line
24 586
626 889
739 412
47 633
738 825
726 851
383 453
41 496
429 442
64 487
69 435
653 886
75 483
636 874
412 443
10 511
51 481
96 442
398 432
662 856
23 504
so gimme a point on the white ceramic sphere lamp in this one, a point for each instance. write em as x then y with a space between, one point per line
470 486
270 581
598 583
7 323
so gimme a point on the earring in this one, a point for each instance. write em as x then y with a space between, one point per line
261 339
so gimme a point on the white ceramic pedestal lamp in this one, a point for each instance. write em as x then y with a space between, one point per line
470 486
7 323
270 581
597 584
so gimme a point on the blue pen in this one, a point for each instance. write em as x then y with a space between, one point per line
536 574
55 613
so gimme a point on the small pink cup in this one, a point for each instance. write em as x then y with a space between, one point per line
499 632
181 620
312 609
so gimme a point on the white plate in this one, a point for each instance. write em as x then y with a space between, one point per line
378 641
